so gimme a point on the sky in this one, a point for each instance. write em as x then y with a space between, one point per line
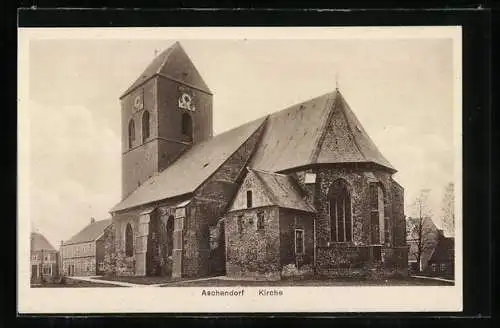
401 90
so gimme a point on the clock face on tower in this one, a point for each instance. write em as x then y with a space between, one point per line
138 102
186 102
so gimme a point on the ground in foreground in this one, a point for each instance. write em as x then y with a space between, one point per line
70 283
217 282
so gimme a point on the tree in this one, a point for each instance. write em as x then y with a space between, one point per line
448 209
421 231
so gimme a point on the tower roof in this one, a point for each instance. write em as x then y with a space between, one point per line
173 63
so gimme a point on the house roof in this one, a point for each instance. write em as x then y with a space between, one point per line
39 242
192 168
89 233
173 63
295 136
430 238
444 250
283 191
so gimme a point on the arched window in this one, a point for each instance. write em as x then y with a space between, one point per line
170 235
379 225
131 133
340 212
187 126
145 126
129 240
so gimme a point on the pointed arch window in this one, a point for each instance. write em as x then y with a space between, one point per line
340 212
379 224
129 240
187 126
131 134
145 126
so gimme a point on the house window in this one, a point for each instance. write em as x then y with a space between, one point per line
442 267
249 199
129 241
145 126
131 134
101 266
434 267
187 126
260 220
299 242
340 212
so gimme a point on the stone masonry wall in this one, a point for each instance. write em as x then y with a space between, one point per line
253 253
208 205
115 260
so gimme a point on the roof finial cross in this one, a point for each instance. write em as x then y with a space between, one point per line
336 80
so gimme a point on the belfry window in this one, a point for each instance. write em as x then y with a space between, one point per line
145 126
129 241
131 134
340 212
187 126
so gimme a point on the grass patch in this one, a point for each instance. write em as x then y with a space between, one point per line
310 283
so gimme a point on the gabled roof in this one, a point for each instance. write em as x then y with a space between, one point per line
283 191
308 133
192 168
174 63
39 242
90 232
444 250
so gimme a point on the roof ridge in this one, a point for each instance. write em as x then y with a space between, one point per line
170 50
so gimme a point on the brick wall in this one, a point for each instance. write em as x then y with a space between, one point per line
253 253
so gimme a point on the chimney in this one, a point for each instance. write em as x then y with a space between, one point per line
92 220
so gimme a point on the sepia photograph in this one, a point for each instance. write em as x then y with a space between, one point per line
267 169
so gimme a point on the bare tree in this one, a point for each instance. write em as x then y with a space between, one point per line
448 209
421 231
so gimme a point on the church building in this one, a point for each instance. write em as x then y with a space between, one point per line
304 186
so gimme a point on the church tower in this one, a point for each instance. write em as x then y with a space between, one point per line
164 112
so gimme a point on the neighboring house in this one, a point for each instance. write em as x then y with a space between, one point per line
83 254
442 260
427 235
302 185
44 258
